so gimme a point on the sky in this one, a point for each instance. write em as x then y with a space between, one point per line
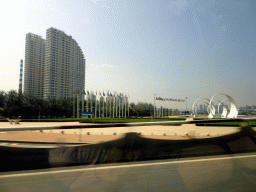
174 49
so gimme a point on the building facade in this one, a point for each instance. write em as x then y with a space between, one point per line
64 65
63 73
34 65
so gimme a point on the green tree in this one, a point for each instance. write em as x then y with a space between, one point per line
12 99
1 110
2 99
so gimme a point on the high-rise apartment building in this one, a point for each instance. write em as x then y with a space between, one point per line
34 65
63 66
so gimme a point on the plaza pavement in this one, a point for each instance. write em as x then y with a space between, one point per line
90 135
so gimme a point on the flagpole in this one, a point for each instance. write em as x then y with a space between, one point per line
114 106
122 106
83 101
91 101
110 106
77 106
125 107
128 105
154 104
99 108
95 104
116 98
107 105
87 103
103 104
74 104
119 104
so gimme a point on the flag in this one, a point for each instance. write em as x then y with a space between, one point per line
111 95
88 93
84 92
103 94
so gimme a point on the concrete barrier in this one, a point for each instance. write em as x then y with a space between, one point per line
131 147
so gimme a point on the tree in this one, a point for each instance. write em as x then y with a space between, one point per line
1 110
12 99
132 111
2 99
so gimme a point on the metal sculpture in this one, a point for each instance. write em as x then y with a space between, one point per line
211 107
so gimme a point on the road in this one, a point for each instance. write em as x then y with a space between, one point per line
215 173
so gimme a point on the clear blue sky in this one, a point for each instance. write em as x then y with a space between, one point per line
174 49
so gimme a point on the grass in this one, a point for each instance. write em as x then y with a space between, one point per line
46 120
197 118
127 120
228 124
99 120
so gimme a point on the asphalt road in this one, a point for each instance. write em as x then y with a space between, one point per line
215 173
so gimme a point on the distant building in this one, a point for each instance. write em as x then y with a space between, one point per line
34 65
64 65
54 67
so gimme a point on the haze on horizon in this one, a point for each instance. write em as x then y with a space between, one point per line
174 49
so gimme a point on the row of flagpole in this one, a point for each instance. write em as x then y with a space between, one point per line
165 111
110 99
161 111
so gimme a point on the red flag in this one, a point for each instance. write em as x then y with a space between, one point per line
103 94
